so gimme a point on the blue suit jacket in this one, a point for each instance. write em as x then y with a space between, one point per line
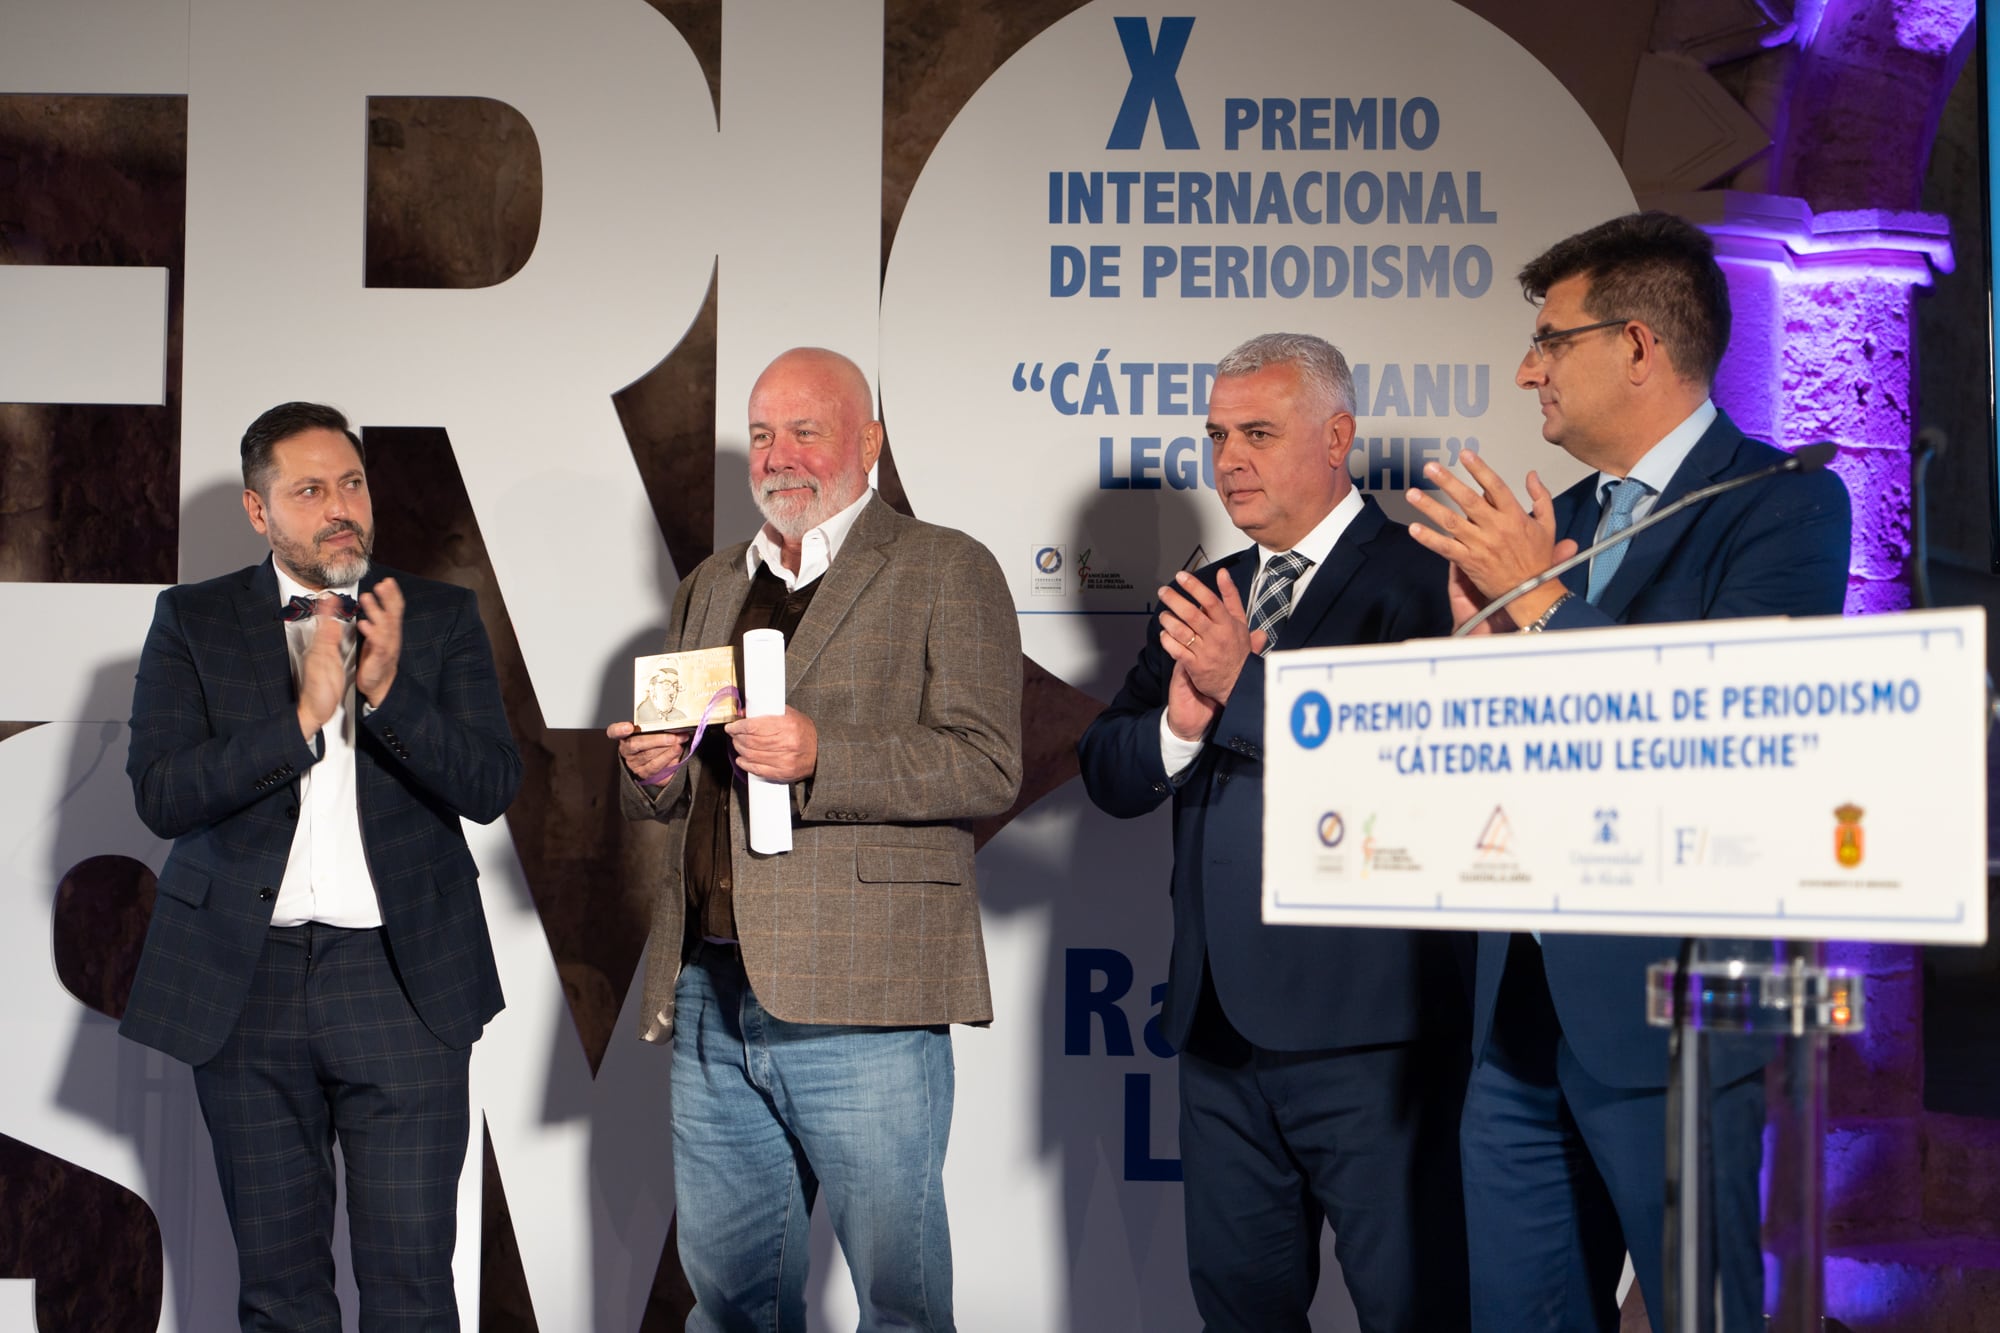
1775 548
215 761
1283 987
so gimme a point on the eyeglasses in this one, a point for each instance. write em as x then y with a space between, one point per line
1539 345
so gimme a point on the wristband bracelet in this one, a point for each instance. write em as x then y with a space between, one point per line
1542 621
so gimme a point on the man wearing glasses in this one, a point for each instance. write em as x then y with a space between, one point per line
1563 1136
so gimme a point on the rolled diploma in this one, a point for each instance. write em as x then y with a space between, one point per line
764 696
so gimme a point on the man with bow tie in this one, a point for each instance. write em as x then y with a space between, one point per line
1320 1069
309 732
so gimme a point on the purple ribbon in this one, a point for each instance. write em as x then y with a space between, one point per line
667 775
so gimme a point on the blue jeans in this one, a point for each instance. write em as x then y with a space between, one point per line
765 1114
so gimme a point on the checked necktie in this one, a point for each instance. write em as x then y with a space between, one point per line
305 608
1621 498
1273 602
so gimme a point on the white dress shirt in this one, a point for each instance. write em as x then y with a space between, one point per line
816 549
1657 466
326 877
1316 546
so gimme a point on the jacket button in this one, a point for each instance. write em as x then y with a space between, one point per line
266 895
291 812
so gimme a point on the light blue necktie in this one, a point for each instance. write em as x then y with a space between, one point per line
1621 498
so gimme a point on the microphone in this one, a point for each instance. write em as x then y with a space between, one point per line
1810 458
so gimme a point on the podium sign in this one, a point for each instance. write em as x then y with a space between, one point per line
1802 779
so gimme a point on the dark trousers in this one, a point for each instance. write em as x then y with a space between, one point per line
1564 1174
1275 1144
329 1048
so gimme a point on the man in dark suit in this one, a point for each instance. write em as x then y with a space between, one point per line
809 994
1320 1069
1564 1134
317 950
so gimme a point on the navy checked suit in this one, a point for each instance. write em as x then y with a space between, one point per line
1570 1014
215 760
1362 1026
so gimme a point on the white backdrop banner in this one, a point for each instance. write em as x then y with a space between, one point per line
1130 195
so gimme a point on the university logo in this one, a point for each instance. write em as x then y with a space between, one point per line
1606 827
1848 843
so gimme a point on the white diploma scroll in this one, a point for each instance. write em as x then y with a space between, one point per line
764 696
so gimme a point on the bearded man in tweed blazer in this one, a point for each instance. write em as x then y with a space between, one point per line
811 991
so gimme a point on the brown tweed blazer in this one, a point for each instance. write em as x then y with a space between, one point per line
908 662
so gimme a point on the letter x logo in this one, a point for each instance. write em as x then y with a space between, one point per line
1153 84
1309 714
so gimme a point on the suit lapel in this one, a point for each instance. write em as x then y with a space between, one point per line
1343 562
1710 456
860 558
1583 517
715 621
264 637
1242 569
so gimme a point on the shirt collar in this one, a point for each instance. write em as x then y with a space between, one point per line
1318 544
816 549
1660 462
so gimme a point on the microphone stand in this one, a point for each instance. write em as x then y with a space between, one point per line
1807 459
